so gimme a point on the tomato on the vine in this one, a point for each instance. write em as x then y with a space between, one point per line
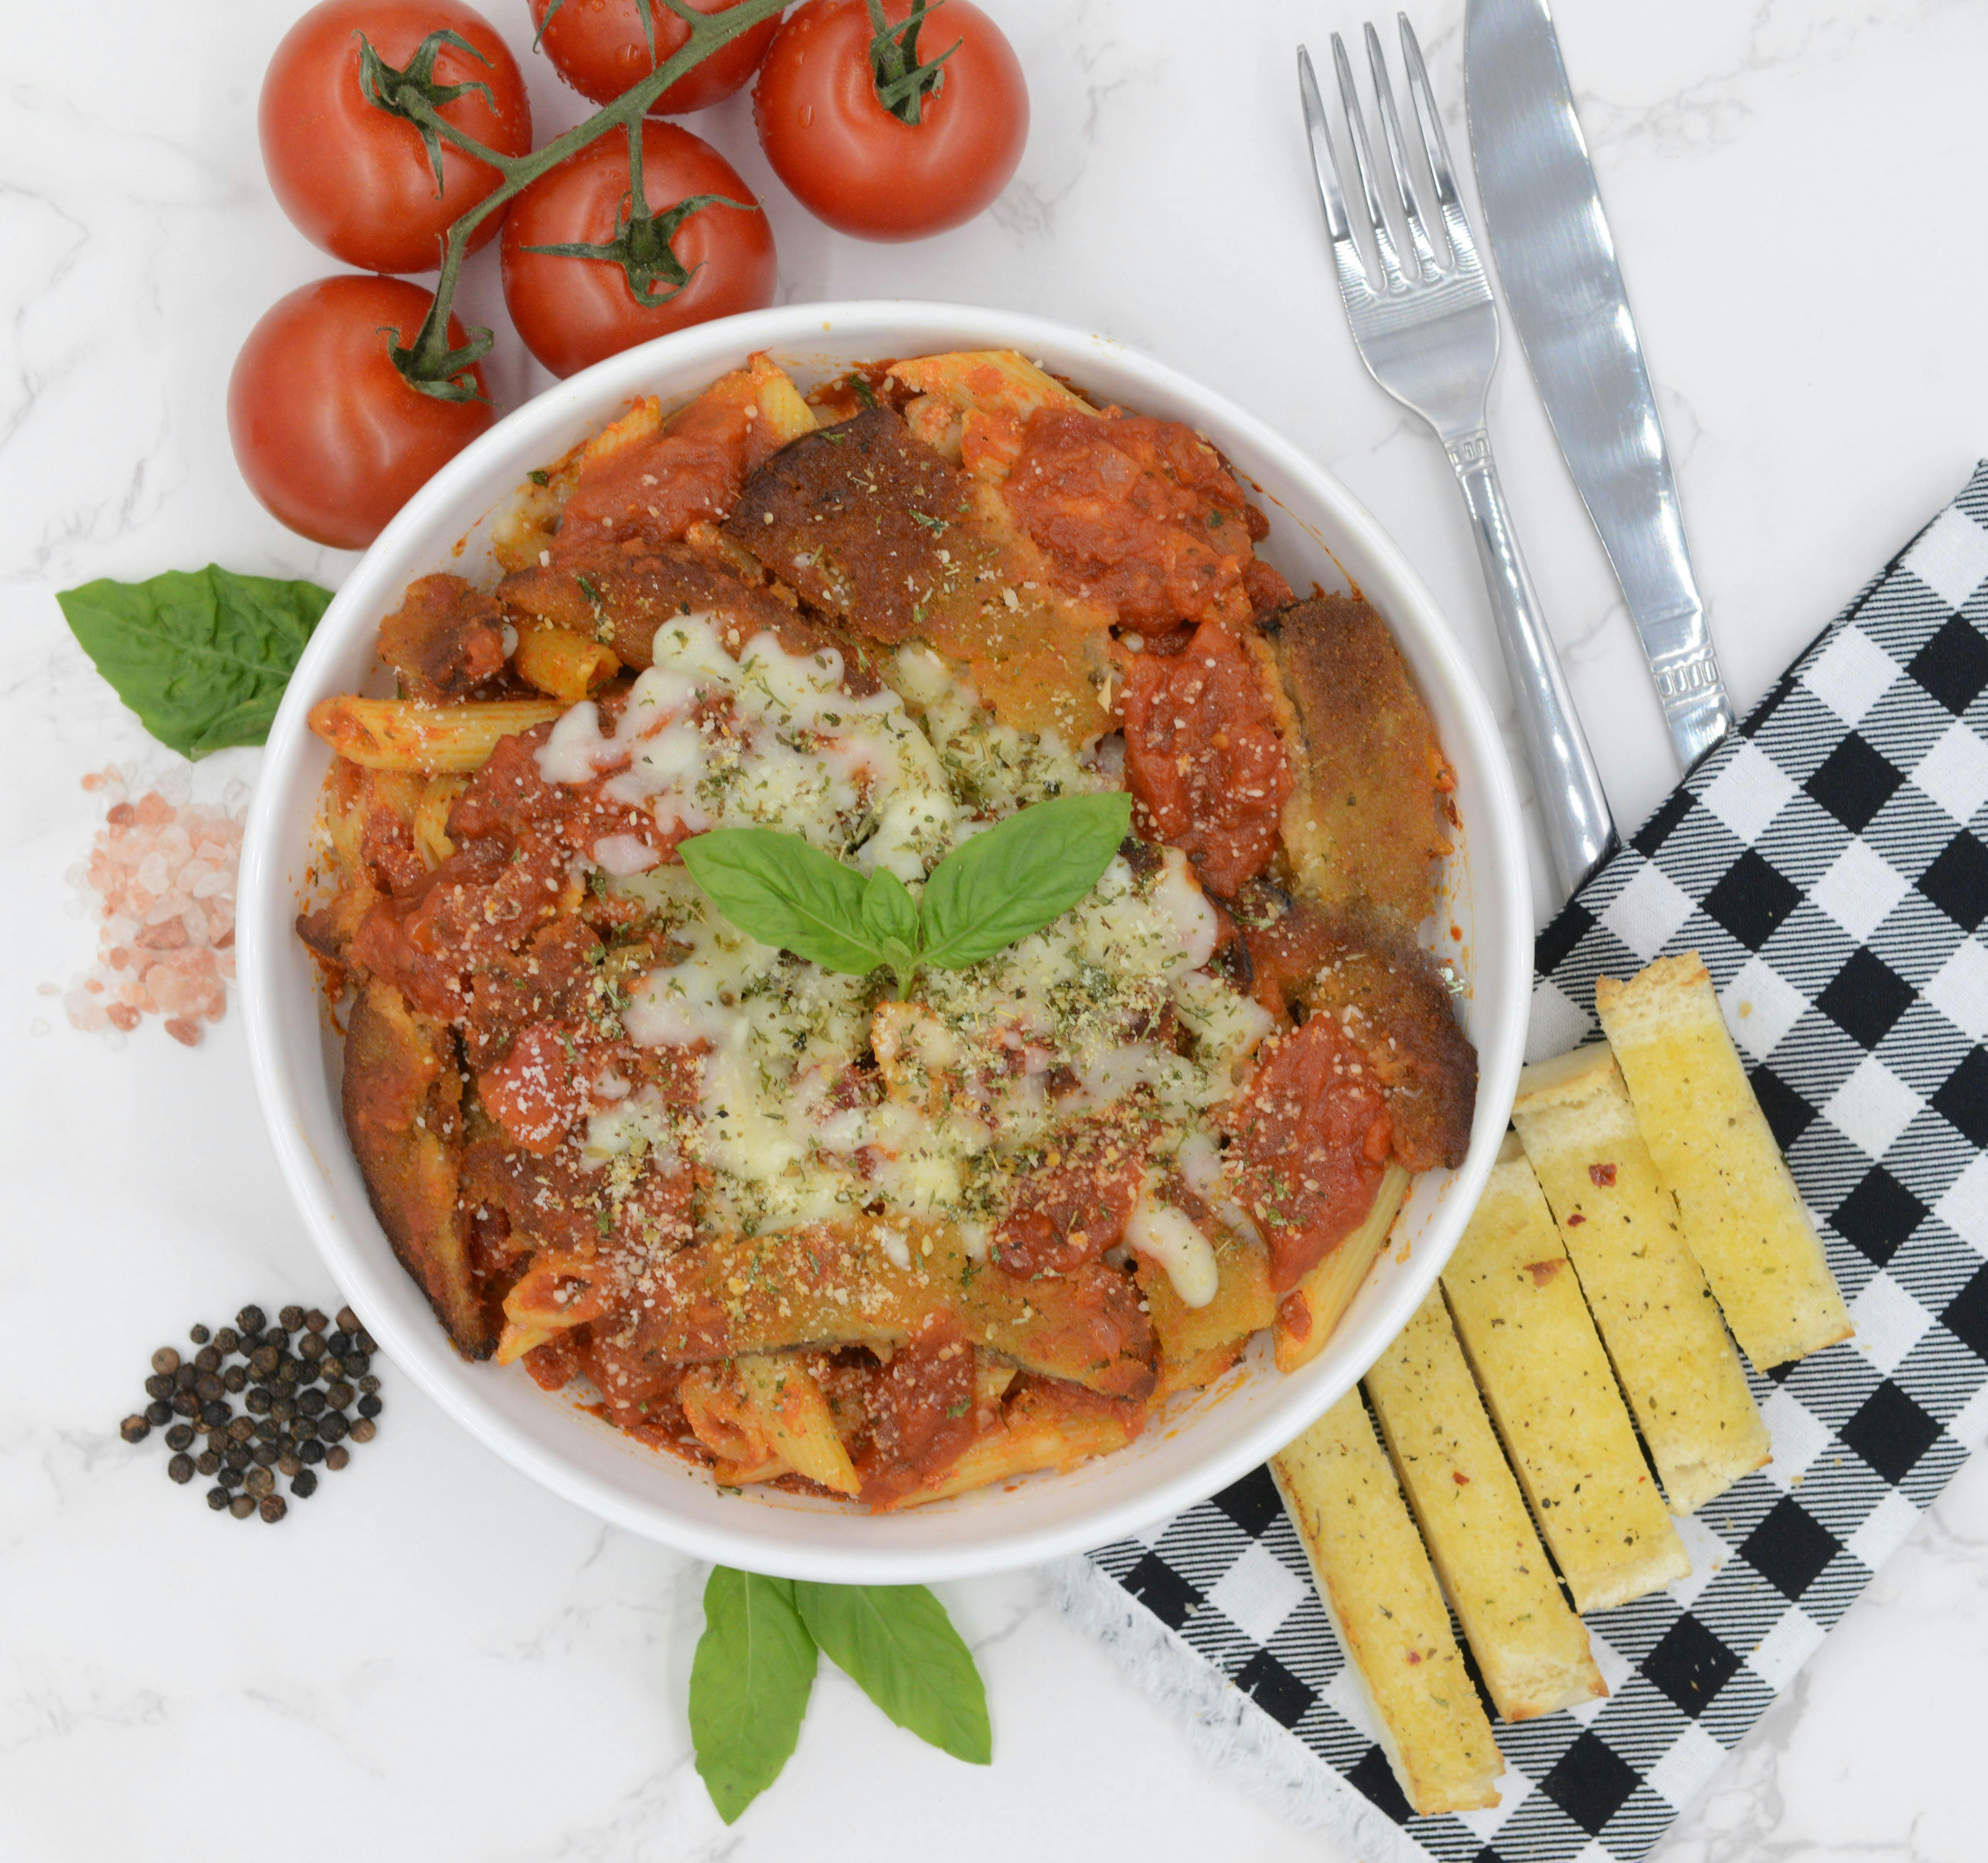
599 48
361 181
937 160
714 260
328 433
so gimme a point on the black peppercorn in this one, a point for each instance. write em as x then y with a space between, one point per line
235 1378
292 1316
289 1374
258 1482
315 1320
226 1340
207 1359
198 1334
166 1360
241 1507
263 1361
331 1426
277 1338
237 1456
304 1482
265 1455
207 1388
274 1507
184 1403
367 1342
338 1340
186 1377
240 1428
291 1463
369 1383
180 1469
363 1430
340 1395
136 1429
208 1461
311 1347
214 1414
310 1450
216 1499
356 1363
370 1406
331 1367
229 1478
250 1319
157 1416
159 1385
282 1409
337 1458
257 1402
310 1402
180 1436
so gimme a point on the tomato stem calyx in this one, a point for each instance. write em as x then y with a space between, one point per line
903 84
411 93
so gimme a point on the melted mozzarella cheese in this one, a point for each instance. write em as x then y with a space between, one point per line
1166 1236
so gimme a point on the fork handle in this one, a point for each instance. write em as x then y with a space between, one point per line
1579 831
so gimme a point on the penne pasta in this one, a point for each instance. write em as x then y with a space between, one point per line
788 1404
431 823
402 734
1307 1314
1036 1434
558 661
1198 1344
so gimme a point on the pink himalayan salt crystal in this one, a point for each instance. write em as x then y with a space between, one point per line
160 881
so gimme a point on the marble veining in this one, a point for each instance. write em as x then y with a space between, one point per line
434 1659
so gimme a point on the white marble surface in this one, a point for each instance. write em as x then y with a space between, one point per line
433 1660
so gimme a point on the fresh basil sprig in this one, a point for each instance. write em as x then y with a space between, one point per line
755 1666
201 656
988 893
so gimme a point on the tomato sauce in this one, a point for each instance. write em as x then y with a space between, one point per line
1208 771
1313 1129
920 1407
1075 1206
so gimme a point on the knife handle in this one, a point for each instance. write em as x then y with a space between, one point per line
1579 831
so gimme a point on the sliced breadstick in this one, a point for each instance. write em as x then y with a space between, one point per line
1384 1601
1531 1649
1742 1215
1547 1382
1686 1385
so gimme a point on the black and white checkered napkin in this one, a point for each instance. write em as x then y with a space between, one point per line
1831 863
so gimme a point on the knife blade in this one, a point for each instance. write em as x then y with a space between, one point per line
1556 259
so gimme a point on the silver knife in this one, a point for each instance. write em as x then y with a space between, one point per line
1557 261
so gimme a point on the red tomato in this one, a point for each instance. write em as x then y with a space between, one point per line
326 432
572 312
357 181
599 49
850 161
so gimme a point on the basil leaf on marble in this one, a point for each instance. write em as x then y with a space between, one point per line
896 1643
777 888
1019 876
202 656
750 1685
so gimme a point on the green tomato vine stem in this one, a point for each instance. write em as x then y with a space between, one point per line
429 363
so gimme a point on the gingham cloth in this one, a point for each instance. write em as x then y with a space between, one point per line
1830 862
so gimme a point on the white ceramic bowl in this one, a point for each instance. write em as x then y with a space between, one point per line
1318 532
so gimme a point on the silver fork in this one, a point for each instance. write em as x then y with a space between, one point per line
1427 332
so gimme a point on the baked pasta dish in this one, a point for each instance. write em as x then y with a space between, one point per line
888 1233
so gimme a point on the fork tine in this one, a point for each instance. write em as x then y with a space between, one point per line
1353 279
1398 154
1363 160
1428 120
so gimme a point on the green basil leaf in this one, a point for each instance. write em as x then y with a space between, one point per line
202 657
1018 876
749 1684
898 1645
784 892
889 913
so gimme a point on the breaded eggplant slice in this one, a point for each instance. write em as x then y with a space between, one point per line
872 526
1368 819
620 597
445 640
403 1104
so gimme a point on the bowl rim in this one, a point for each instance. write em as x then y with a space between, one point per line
1496 852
